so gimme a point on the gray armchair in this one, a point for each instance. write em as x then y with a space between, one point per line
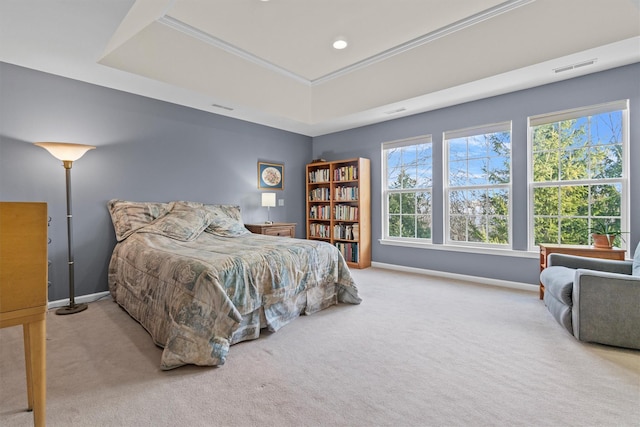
596 300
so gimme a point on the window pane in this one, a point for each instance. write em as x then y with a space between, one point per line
545 201
605 200
410 178
457 202
458 228
425 154
425 177
546 230
457 149
499 168
498 230
574 164
423 226
498 202
606 161
607 128
477 171
408 226
408 203
394 225
477 228
574 200
545 138
476 147
500 144
394 203
475 202
458 173
573 231
423 203
546 166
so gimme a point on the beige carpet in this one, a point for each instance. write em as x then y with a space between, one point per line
418 351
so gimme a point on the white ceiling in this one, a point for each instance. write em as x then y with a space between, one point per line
271 62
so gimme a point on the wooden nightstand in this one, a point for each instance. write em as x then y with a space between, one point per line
587 251
282 229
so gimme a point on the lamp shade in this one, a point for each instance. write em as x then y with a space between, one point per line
65 151
268 200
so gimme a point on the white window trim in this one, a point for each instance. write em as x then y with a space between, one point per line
484 250
621 105
506 126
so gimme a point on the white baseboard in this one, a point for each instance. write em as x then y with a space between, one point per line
475 279
81 299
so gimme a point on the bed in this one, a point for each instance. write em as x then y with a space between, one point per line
198 281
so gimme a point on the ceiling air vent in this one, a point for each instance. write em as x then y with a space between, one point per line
574 66
396 111
222 107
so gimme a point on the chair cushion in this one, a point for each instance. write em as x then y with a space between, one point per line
561 312
636 261
558 281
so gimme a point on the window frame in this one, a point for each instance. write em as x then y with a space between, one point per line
571 114
400 143
447 136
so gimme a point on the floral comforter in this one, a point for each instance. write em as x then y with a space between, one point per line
198 296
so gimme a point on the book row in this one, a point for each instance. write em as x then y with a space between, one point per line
349 251
345 173
346 231
346 193
319 175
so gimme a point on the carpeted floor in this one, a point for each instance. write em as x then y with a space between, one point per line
418 351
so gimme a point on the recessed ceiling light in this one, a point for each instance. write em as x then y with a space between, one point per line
340 44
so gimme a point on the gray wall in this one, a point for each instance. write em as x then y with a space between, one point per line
616 84
148 150
155 151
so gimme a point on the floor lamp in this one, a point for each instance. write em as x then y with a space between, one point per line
68 153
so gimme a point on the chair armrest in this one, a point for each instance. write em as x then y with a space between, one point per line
605 308
574 261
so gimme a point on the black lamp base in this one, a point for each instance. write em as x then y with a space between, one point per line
76 308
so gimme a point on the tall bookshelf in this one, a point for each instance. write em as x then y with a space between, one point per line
339 207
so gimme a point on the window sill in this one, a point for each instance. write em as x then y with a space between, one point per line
460 248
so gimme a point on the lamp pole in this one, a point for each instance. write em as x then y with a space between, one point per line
72 307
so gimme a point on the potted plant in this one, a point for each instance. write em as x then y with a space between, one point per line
604 232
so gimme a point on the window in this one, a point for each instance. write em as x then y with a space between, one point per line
478 185
578 173
407 188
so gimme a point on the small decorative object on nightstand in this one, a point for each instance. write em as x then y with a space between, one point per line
282 229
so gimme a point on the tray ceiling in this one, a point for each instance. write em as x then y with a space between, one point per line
272 62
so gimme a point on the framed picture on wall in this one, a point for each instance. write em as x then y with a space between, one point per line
270 176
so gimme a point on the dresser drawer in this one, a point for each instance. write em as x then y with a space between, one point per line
276 229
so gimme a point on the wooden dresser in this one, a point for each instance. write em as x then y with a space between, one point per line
23 290
283 229
578 250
